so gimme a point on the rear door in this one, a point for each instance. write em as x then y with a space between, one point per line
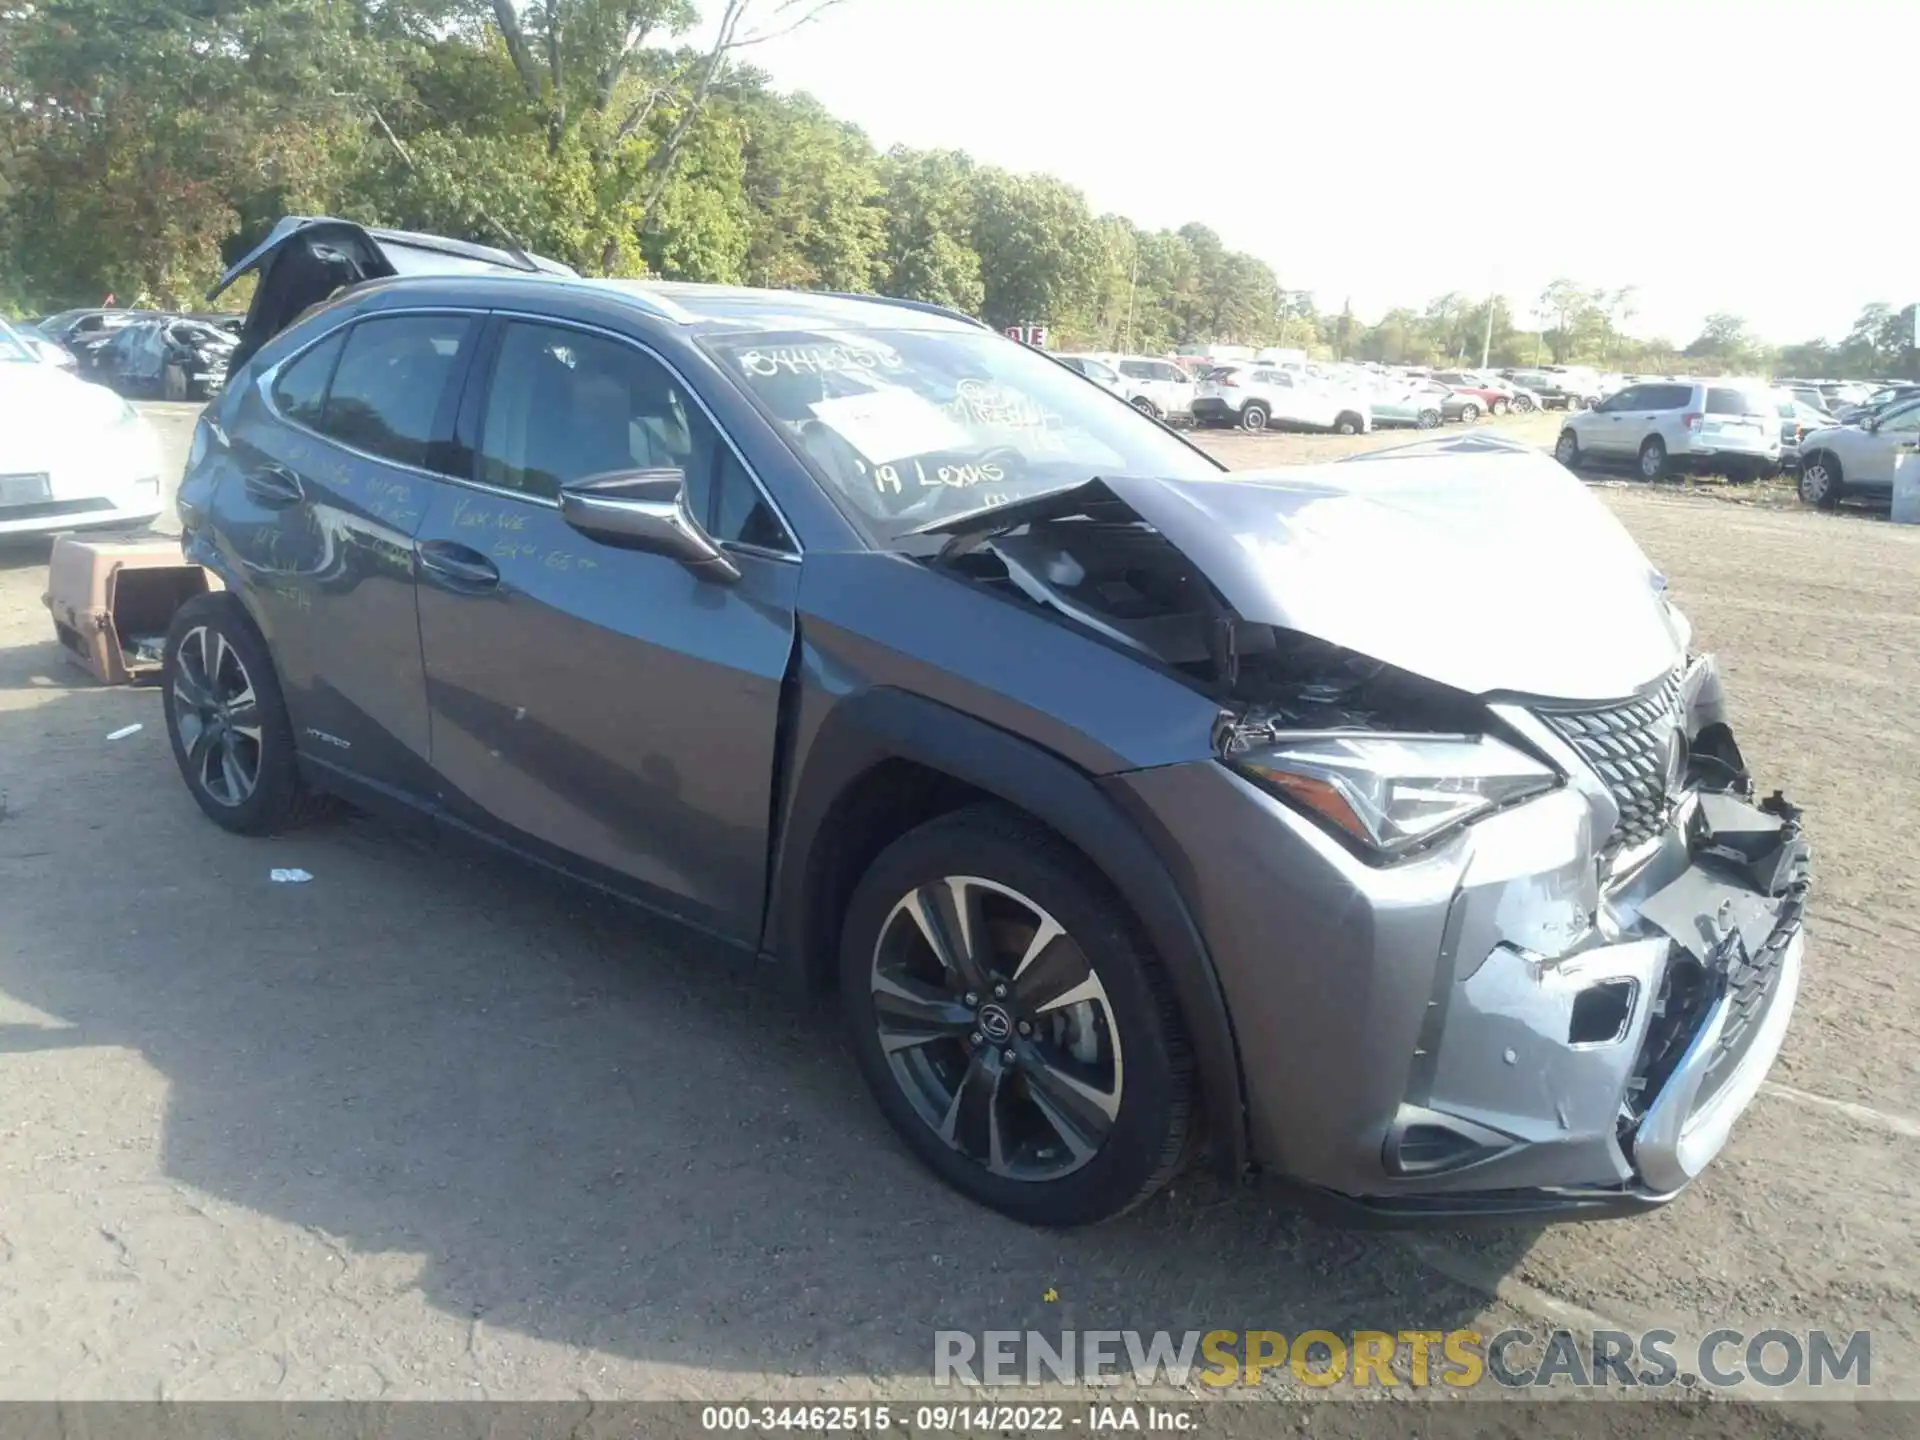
1744 420
599 704
337 451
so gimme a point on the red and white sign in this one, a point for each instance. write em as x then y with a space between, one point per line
1034 335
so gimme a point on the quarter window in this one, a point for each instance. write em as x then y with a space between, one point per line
300 391
388 386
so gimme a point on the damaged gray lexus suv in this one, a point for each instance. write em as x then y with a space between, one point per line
1373 824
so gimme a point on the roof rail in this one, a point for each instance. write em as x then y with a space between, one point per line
926 307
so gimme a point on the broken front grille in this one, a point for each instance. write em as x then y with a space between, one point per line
1630 747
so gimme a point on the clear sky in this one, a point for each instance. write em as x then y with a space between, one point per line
1390 150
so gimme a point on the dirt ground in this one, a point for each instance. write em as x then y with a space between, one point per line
432 1127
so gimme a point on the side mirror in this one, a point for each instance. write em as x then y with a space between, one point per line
646 510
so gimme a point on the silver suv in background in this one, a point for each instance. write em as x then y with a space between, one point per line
1732 426
1158 388
1844 460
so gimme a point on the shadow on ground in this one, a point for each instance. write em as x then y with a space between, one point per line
588 1133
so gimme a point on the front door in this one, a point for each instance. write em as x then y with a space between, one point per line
593 703
335 452
1606 430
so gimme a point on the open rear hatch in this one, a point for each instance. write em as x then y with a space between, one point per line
307 258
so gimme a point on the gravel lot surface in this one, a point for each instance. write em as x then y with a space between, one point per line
438 1127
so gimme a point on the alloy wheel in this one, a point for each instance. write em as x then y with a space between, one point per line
218 717
1815 482
1567 450
997 1028
1653 459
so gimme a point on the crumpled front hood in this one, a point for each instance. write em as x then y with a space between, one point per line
1486 567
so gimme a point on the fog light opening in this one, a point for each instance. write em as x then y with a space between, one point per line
1602 1013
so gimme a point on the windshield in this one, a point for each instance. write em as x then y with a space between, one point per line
13 347
907 427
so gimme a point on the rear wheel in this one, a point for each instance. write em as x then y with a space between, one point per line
1015 1029
1469 413
1348 424
1253 417
1498 407
173 383
1653 458
228 721
1523 404
1428 420
1145 406
1820 483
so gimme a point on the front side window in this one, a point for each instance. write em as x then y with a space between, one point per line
388 386
909 427
1902 422
1136 369
566 404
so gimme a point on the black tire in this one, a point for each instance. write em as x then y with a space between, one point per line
1253 417
1567 449
1154 1123
173 383
1145 406
1348 424
1523 404
1427 420
1498 407
1469 414
1821 482
278 799
1653 458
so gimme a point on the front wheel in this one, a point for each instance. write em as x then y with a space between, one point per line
1498 407
228 722
1016 1030
1253 418
1820 482
1348 424
1567 449
1428 420
1523 404
173 383
1469 413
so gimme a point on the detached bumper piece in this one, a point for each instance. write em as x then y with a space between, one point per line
1735 919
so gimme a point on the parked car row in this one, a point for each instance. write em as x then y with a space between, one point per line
147 354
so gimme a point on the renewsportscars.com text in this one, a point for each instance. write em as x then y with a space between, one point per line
1381 1359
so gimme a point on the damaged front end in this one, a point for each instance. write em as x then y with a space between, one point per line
1502 926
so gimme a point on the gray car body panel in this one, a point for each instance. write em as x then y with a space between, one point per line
690 744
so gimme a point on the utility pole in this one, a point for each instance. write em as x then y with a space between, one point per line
1486 338
1133 288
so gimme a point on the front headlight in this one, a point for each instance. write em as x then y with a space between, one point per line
1393 794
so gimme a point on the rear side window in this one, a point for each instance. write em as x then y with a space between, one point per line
1667 397
388 386
1724 401
1136 369
300 391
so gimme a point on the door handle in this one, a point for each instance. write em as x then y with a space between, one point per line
457 566
275 486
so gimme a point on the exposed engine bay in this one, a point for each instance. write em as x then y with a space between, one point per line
1110 573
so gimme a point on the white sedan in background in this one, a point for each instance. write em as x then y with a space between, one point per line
72 455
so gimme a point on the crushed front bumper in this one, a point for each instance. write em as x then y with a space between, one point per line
1522 1023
